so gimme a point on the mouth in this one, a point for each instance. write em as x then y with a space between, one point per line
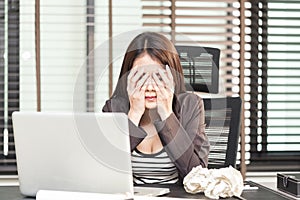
150 98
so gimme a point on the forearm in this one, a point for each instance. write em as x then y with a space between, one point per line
136 133
180 145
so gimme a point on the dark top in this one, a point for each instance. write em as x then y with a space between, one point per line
182 133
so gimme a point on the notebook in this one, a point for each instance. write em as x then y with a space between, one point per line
79 152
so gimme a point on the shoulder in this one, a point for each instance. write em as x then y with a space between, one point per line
190 103
190 108
116 104
189 98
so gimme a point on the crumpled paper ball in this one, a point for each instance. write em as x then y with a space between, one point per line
215 183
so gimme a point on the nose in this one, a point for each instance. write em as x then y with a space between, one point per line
150 84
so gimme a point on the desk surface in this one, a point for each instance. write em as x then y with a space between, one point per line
13 193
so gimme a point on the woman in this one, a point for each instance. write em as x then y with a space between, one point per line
166 124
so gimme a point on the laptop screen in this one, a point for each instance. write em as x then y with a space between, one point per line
85 152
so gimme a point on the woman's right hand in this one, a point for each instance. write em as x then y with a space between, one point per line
136 93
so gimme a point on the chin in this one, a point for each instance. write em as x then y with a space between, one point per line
151 105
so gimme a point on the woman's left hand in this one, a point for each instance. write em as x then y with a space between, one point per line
164 86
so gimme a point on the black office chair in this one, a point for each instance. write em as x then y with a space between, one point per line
222 117
200 67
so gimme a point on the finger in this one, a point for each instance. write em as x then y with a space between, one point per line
170 76
169 73
138 92
132 73
160 89
157 90
162 96
148 81
165 87
164 90
142 80
138 75
130 83
170 89
131 88
135 75
157 81
143 88
163 76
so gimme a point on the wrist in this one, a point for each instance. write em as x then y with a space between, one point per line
134 117
165 115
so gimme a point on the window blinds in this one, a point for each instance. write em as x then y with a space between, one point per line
63 51
70 32
272 82
74 38
283 76
9 82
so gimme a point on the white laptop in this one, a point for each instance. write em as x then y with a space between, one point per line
79 152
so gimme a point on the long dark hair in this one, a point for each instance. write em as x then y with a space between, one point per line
159 48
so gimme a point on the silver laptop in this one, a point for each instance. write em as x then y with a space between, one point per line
80 152
85 152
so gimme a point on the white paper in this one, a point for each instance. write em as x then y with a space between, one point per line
66 195
215 183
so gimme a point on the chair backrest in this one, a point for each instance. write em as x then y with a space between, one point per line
222 117
200 67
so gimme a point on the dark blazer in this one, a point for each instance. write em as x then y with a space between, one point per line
182 133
